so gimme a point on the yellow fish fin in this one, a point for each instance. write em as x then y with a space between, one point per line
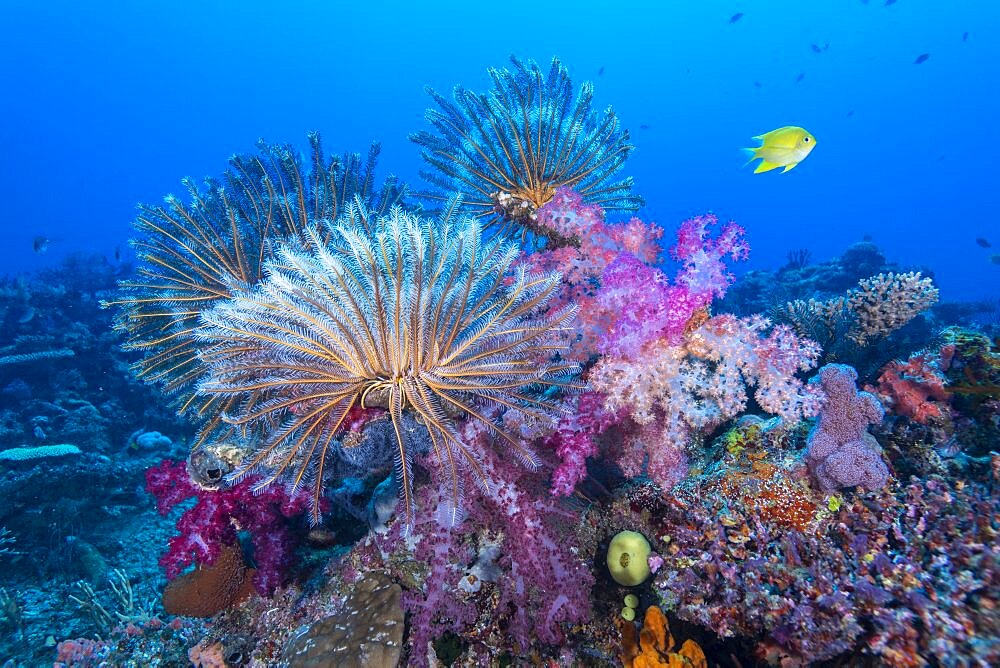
788 166
752 152
765 166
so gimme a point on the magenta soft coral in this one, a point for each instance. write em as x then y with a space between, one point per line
541 586
641 303
544 585
574 440
218 515
581 267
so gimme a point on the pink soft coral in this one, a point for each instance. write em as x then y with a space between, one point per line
703 272
582 267
540 585
676 391
638 303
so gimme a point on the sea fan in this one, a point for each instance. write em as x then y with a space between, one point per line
413 315
508 150
192 254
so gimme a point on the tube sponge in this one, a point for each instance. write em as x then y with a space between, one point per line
628 558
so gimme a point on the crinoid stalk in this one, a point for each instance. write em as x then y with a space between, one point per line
508 150
417 316
192 254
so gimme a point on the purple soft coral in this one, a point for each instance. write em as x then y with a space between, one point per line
703 273
841 452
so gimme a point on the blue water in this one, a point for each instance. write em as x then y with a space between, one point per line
105 105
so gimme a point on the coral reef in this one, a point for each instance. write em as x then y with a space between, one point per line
636 433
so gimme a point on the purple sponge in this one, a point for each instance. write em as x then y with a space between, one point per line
841 452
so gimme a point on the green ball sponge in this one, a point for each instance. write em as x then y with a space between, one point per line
628 558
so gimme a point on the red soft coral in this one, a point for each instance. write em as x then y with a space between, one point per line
916 388
216 517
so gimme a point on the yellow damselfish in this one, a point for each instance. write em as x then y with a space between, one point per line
784 147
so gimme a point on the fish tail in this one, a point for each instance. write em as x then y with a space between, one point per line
765 166
752 152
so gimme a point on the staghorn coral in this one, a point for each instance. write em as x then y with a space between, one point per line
507 151
412 315
193 255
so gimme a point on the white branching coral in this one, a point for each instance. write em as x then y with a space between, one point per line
886 302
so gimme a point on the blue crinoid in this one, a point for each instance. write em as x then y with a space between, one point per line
506 151
191 254
418 316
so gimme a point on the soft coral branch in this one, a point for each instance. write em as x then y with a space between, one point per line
213 521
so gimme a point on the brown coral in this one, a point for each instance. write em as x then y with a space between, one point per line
208 590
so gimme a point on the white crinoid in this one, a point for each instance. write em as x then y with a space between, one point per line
410 314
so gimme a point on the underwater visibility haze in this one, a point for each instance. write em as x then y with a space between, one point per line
548 333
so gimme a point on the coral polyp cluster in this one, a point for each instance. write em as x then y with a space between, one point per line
413 314
508 150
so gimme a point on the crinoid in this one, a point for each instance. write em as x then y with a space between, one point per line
413 315
192 254
508 150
